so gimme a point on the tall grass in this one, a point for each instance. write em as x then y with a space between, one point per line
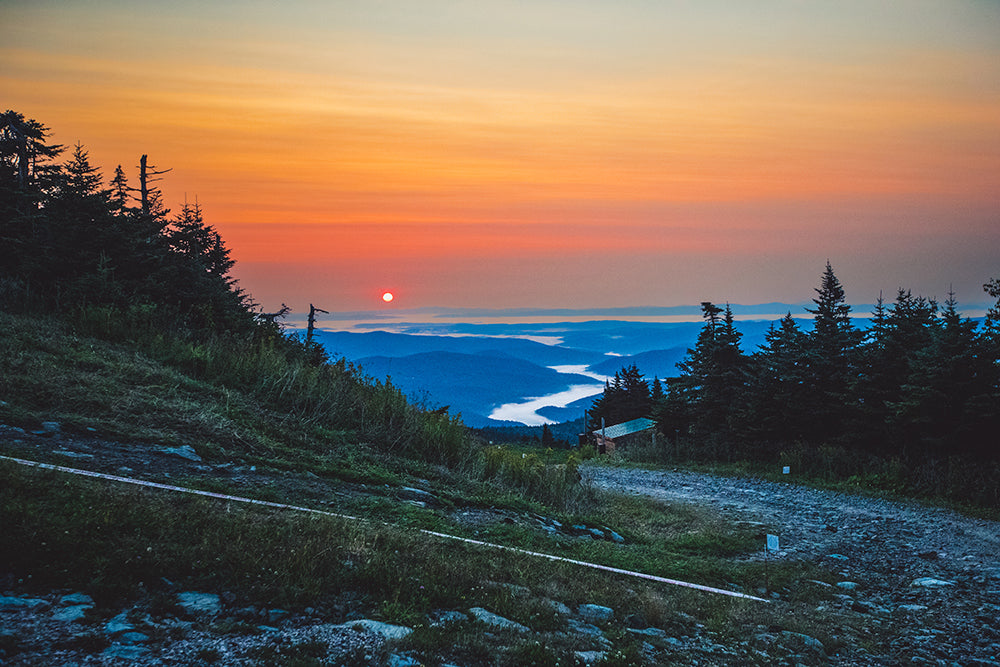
557 485
264 382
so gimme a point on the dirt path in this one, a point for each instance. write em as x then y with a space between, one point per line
931 574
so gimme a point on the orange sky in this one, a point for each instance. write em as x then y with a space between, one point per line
545 154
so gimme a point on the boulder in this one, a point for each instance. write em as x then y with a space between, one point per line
595 613
76 598
385 630
119 624
496 621
72 613
798 642
931 582
196 604
184 451
20 603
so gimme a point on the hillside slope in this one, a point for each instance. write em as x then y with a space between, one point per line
93 570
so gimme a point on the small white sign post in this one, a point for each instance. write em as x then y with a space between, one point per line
771 544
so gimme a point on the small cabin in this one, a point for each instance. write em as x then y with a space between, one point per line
611 438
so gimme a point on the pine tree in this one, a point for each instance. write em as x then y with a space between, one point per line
829 360
772 413
121 193
625 398
944 404
713 376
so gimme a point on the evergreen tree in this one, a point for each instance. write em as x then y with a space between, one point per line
713 375
829 360
26 178
772 414
548 440
121 193
625 398
933 408
874 385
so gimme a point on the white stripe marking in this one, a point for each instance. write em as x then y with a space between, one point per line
295 508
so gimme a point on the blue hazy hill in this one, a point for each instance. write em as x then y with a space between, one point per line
382 343
470 384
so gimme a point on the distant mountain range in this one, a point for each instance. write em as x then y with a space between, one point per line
474 368
475 361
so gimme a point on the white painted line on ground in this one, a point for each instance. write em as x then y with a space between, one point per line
296 508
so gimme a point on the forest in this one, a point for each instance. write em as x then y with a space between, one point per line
912 400
72 245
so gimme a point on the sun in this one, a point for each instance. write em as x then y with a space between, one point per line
387 297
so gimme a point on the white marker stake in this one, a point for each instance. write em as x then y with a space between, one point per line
786 470
770 545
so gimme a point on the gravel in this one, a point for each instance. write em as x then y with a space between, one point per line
932 574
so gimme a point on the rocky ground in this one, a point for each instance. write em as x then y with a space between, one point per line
927 577
930 575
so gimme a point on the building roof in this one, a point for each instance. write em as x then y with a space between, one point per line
627 428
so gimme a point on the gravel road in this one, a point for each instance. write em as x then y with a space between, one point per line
932 574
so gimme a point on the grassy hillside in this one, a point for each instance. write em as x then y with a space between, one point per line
271 426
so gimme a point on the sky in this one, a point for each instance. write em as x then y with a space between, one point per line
544 153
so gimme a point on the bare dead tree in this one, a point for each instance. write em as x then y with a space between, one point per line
312 321
271 317
147 175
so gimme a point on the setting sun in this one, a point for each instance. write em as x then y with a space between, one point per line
387 297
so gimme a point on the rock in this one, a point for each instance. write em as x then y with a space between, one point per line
496 621
589 657
20 603
76 598
840 557
912 608
615 537
931 582
195 604
184 452
119 624
648 632
385 630
442 619
411 493
72 613
133 637
400 660
579 627
72 455
798 641
595 613
51 428
559 607
847 585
